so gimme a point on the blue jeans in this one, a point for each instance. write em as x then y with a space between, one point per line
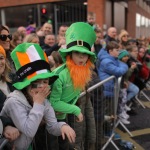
132 91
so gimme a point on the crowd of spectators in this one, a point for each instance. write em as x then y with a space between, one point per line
117 54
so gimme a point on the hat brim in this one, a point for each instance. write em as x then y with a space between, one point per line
64 52
20 85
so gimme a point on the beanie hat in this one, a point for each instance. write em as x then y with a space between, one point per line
2 51
123 53
79 37
31 64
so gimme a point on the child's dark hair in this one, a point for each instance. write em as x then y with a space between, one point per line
130 48
57 57
111 45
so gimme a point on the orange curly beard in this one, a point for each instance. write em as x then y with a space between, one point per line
80 75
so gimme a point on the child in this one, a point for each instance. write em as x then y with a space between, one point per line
91 18
55 60
27 106
75 73
126 92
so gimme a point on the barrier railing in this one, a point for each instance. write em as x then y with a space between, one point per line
100 130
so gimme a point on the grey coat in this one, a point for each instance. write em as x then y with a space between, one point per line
27 118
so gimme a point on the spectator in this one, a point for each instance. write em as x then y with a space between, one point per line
31 28
144 72
123 38
50 40
109 65
5 38
128 89
16 39
22 31
91 20
50 45
111 35
74 74
47 28
61 32
55 60
31 38
10 132
99 41
5 82
30 98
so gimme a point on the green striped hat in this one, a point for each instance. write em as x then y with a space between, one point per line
31 63
80 37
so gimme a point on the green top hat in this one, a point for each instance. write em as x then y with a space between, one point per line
31 63
80 37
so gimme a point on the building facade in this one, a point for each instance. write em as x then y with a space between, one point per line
132 15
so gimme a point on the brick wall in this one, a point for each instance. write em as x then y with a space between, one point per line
23 2
131 17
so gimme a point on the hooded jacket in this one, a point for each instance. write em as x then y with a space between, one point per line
109 66
27 118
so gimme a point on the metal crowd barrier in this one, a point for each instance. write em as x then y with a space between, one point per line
105 110
105 116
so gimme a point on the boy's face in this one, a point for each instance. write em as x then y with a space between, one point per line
91 20
79 59
114 52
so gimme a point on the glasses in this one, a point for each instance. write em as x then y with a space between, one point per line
4 37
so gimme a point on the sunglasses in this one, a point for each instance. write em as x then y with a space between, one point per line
125 36
4 37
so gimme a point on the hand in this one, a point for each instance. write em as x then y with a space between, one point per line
133 65
79 118
62 41
125 84
40 94
11 133
69 132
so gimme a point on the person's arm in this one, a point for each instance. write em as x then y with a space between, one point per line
26 122
7 129
49 50
57 128
58 104
6 121
114 68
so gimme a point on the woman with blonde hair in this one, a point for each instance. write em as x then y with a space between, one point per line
16 39
10 132
5 80
123 38
31 38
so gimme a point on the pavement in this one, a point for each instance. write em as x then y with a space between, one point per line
139 127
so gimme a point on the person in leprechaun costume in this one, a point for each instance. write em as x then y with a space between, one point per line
75 74
28 105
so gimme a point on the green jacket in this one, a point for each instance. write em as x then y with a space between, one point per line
63 96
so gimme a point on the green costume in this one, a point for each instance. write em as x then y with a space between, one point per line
79 37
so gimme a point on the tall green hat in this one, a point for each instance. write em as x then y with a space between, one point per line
80 37
31 63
